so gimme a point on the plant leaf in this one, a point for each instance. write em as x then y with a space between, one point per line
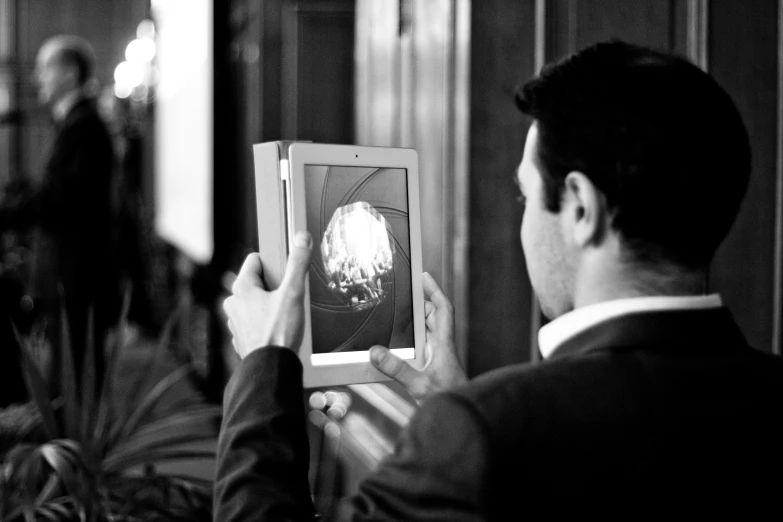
48 491
58 507
36 385
67 466
133 454
181 428
106 399
192 417
154 364
27 470
150 401
155 457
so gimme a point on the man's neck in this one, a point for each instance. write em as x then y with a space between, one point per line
608 280
63 106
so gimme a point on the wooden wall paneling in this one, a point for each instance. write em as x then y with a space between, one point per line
246 58
412 77
678 27
252 107
413 74
697 48
270 86
237 95
9 96
501 56
637 21
437 125
7 30
743 58
575 24
407 73
378 80
460 172
225 139
560 32
318 64
777 307
34 132
431 40
289 71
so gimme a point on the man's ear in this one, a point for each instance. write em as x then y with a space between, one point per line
586 213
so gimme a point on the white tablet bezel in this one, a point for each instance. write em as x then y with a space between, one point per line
301 154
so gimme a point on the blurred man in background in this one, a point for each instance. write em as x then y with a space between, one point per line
72 206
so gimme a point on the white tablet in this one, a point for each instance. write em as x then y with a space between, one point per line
361 207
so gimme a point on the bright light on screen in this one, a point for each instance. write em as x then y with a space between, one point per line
184 126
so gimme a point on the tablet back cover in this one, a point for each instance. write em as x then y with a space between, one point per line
270 208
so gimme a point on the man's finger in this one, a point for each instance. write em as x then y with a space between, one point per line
392 366
431 322
250 273
228 306
298 263
433 292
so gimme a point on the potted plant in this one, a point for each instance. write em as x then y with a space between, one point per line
90 456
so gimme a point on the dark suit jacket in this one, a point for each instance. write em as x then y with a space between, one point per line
657 412
74 204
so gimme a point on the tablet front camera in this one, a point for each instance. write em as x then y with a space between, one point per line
358 255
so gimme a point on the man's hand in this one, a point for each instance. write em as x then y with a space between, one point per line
258 318
442 369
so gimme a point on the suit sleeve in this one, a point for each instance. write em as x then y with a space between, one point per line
437 471
263 453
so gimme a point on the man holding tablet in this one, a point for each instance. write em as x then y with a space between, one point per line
648 398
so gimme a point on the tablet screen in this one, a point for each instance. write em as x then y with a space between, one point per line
360 275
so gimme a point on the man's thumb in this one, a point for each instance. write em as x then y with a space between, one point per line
298 262
392 366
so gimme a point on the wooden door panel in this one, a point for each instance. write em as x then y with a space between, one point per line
743 57
500 293
318 88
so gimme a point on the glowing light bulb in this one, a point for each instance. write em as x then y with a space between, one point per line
128 74
122 91
145 29
141 50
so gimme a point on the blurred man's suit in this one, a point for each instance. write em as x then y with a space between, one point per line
602 423
75 265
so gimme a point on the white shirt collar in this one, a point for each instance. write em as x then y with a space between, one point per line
554 334
64 105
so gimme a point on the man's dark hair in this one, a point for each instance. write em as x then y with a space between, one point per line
656 134
76 52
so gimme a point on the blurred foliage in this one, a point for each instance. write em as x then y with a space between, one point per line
91 455
18 422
